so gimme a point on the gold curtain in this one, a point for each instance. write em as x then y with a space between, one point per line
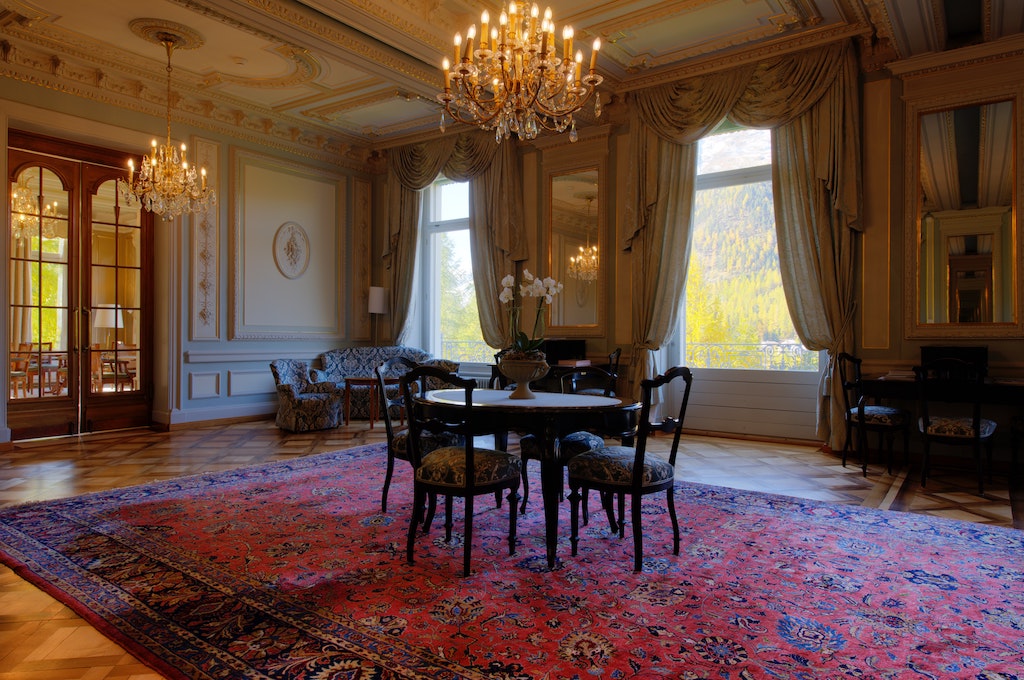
495 218
810 100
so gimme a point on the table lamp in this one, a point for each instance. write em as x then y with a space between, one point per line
377 305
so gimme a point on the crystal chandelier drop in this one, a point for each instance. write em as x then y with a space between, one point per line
166 183
514 81
585 265
25 214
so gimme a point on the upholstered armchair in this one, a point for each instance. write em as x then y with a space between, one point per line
304 405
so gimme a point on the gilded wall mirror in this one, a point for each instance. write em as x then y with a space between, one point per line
965 247
575 250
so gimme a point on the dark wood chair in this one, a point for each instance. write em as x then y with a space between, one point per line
574 443
392 408
464 470
862 416
950 397
622 471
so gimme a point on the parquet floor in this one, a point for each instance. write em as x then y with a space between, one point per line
41 639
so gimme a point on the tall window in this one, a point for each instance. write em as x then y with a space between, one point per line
736 314
451 321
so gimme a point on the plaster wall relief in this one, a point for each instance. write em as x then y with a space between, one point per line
204 320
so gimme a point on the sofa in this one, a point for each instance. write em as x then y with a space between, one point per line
360 362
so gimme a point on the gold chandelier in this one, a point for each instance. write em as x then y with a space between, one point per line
515 81
25 214
165 183
585 265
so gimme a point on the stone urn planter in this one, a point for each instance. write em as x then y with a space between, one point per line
521 372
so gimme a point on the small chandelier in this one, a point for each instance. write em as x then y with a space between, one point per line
25 213
585 265
515 81
166 183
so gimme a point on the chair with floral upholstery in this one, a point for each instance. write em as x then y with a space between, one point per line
393 407
950 397
304 405
864 417
618 471
464 470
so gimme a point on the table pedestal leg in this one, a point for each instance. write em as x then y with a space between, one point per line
551 490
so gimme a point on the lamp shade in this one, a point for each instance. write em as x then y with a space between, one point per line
108 317
378 300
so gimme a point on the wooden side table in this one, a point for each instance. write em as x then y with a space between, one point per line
374 397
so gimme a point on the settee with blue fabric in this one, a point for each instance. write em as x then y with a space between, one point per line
360 362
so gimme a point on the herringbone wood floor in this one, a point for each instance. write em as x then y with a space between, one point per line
41 639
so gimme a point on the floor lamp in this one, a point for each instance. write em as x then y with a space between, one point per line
377 305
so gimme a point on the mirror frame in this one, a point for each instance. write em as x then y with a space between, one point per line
567 161
915 109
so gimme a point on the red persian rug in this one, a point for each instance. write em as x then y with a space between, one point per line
290 571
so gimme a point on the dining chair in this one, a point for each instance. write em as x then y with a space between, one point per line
630 470
950 397
464 470
19 374
863 416
393 408
574 443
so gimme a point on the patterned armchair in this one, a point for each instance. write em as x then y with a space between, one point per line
304 405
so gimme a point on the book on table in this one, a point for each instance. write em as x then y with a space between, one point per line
575 363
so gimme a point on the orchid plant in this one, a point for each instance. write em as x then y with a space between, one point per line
520 344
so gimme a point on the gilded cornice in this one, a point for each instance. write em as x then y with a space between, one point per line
38 66
785 44
934 62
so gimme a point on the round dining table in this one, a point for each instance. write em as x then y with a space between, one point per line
548 416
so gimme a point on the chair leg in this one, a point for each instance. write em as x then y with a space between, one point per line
925 461
622 515
467 544
862 444
638 537
419 499
513 503
671 501
889 437
526 489
847 442
574 516
387 481
497 498
448 519
431 511
608 503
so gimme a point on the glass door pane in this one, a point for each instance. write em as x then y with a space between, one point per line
40 285
115 346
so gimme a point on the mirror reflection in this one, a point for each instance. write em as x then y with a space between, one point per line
575 247
966 255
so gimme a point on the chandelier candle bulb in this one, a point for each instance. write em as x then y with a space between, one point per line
593 55
485 19
458 48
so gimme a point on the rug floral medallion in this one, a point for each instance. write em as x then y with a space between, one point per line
290 571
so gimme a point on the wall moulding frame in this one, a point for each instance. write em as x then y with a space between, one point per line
267 193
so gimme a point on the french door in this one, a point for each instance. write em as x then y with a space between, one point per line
79 337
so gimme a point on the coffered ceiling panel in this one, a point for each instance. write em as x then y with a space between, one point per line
339 78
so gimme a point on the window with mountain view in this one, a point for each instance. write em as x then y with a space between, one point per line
736 315
451 321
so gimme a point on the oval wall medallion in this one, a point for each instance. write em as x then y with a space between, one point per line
291 250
